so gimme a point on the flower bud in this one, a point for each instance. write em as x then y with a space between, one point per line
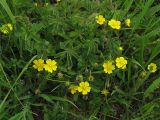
90 78
60 75
67 83
79 78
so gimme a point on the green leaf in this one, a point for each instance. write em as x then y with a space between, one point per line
17 116
7 9
142 14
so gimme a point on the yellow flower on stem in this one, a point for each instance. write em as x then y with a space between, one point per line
73 88
84 88
50 66
38 64
108 67
6 28
115 24
128 22
121 62
104 92
152 67
100 19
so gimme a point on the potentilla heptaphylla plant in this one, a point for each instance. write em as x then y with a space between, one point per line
79 59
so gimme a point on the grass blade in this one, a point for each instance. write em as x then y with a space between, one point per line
152 87
50 99
7 9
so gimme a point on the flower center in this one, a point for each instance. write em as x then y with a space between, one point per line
151 68
84 88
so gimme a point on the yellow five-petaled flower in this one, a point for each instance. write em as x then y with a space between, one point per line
121 62
84 88
115 24
152 67
73 88
6 28
38 64
108 66
50 66
100 19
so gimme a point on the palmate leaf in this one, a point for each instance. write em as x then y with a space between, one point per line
91 46
5 6
68 54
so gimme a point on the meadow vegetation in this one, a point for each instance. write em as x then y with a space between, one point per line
79 60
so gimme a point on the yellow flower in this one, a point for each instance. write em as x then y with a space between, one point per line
38 64
50 66
152 67
104 92
128 22
58 0
120 48
114 24
6 28
5 31
121 62
73 89
10 26
100 19
108 67
84 88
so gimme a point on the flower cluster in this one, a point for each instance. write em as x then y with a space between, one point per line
113 23
6 28
83 88
50 65
109 66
